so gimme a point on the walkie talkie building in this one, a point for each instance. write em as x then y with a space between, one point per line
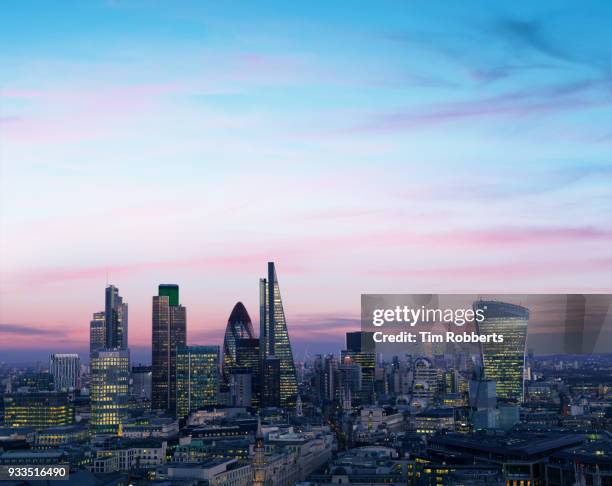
504 362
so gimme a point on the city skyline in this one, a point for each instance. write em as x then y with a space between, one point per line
454 150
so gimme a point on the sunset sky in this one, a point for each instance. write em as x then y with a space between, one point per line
365 147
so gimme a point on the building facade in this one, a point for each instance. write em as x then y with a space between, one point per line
109 390
169 328
197 378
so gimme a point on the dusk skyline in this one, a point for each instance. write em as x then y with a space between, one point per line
371 148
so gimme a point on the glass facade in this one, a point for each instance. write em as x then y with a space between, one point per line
37 409
116 319
97 332
360 350
274 336
197 378
239 326
247 358
169 330
504 362
109 393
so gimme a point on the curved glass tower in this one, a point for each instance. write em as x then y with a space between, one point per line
239 326
504 362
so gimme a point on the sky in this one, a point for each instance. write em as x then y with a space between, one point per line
365 147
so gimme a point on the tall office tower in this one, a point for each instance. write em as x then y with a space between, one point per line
141 382
247 358
97 332
271 382
274 338
116 319
66 371
109 389
169 332
425 382
197 378
360 349
238 327
504 362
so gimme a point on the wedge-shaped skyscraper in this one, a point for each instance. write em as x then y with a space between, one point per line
274 337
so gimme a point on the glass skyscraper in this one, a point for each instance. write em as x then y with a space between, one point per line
274 337
116 319
239 326
247 358
360 350
97 332
109 389
504 362
197 378
169 329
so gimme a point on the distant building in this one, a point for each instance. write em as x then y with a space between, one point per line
169 332
274 337
504 362
197 378
109 390
360 349
38 409
66 371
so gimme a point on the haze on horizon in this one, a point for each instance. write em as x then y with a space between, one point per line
380 147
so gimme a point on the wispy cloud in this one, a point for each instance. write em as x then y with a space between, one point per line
27 331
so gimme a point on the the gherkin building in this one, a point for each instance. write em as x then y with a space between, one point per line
238 326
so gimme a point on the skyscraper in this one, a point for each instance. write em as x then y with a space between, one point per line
169 329
504 362
238 327
247 358
271 382
197 378
110 374
115 319
66 371
97 333
360 349
274 338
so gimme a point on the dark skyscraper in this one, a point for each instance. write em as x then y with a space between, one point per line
247 358
271 381
169 331
274 338
238 327
115 319
360 350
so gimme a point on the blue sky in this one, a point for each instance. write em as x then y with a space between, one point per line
363 146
